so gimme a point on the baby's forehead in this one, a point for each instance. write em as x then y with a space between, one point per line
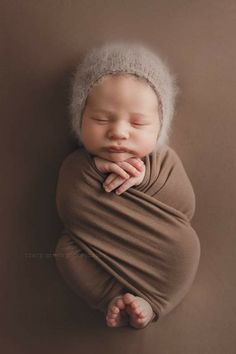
121 83
119 76
123 90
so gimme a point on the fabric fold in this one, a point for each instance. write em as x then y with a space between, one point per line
144 237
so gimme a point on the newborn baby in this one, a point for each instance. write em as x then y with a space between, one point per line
120 125
122 119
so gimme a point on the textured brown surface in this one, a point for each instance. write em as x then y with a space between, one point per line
41 41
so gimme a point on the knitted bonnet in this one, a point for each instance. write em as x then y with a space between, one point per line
129 58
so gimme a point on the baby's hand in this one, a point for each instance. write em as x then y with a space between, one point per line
119 176
132 165
114 181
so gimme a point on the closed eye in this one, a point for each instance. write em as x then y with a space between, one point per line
100 120
107 120
139 123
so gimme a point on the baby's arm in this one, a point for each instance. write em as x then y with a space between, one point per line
119 176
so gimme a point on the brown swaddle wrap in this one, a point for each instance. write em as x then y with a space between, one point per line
143 238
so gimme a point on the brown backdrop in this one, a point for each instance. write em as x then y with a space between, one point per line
41 41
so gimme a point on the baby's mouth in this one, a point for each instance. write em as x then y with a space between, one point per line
117 150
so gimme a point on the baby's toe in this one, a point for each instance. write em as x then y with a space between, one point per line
135 305
115 310
112 313
120 304
111 323
141 320
139 311
128 298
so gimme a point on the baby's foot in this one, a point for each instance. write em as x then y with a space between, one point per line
116 313
140 310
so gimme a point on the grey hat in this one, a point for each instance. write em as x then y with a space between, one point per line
130 58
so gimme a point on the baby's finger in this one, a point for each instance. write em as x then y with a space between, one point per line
129 168
109 179
126 185
136 162
118 170
114 184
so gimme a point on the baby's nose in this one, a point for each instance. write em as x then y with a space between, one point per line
119 131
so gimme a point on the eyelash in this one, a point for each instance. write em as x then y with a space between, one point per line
100 120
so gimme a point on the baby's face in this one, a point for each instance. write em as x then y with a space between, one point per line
120 112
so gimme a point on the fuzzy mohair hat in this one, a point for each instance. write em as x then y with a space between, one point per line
126 57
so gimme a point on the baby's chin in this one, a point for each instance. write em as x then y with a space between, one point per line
118 156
